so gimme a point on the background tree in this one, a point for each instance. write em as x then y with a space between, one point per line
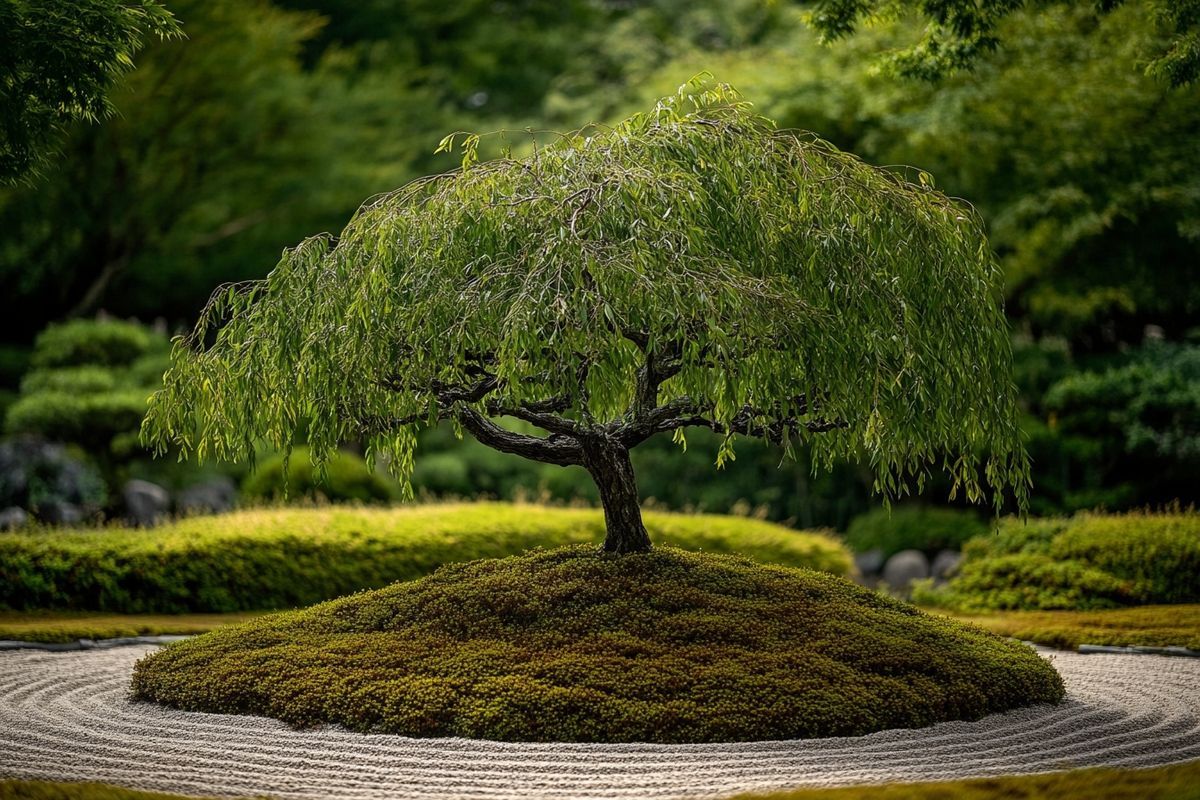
57 63
686 268
960 32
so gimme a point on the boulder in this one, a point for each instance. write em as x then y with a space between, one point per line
945 564
904 568
212 496
869 562
59 512
146 503
12 518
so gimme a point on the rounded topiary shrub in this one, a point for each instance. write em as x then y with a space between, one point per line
913 528
347 480
576 645
98 342
1083 562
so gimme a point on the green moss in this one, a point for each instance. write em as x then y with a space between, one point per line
575 645
1178 782
283 558
1089 561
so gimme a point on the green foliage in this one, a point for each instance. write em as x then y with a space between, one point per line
1178 782
960 32
52 790
1085 562
1176 625
90 420
793 282
913 528
288 557
576 645
70 626
1028 581
59 62
82 342
347 479
89 386
225 146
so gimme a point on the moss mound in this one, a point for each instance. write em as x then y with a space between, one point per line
574 645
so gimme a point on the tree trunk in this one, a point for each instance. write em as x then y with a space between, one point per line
612 471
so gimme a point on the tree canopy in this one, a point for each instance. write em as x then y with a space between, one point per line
689 267
959 32
57 63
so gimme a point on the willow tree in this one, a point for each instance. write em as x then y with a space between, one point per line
689 267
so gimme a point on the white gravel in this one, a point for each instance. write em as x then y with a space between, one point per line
66 716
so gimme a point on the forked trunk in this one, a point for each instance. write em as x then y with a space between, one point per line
612 471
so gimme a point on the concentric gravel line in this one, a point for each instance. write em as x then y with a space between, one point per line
67 716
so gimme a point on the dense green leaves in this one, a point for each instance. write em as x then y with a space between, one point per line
1087 561
785 280
960 32
57 64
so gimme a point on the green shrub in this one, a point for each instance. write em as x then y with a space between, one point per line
1027 580
72 380
90 420
576 645
1084 562
347 480
282 558
922 528
89 386
101 342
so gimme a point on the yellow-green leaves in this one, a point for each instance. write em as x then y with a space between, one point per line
772 264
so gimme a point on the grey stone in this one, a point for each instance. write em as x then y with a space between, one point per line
40 476
59 512
212 496
945 564
869 562
904 568
12 518
146 503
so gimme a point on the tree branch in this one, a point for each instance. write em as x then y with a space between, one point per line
684 412
555 449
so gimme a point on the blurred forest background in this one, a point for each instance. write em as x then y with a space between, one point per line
271 121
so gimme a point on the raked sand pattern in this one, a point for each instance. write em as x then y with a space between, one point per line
66 716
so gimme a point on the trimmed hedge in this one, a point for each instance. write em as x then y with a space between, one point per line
347 480
283 558
1175 625
924 528
578 645
1088 561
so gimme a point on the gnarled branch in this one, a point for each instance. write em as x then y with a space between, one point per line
554 449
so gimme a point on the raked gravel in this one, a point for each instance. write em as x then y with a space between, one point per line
66 716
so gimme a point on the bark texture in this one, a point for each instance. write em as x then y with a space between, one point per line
612 470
